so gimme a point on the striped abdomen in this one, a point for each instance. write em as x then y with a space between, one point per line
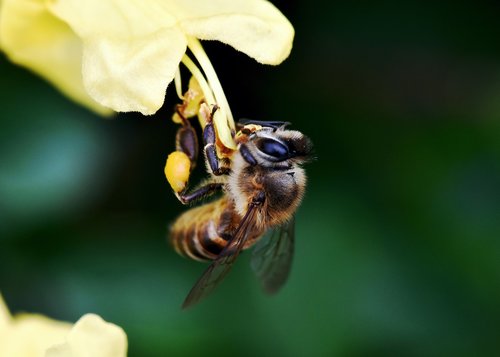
202 232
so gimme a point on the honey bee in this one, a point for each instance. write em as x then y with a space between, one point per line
262 182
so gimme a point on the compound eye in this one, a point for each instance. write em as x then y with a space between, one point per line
273 148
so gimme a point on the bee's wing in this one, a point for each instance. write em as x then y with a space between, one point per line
219 268
272 257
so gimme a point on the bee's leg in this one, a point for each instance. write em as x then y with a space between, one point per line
218 166
186 139
203 191
247 155
181 162
177 173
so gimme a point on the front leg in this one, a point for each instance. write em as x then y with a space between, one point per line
218 166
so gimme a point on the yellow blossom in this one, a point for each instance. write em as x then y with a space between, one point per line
124 53
36 335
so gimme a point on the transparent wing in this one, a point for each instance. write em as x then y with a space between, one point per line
272 257
219 268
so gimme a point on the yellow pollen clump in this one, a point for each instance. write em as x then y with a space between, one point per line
177 170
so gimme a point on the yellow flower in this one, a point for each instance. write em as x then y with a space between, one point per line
124 53
36 335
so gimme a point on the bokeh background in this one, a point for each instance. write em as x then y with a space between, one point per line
398 238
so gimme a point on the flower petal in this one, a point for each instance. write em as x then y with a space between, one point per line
32 37
255 27
92 336
132 75
131 49
31 335
5 318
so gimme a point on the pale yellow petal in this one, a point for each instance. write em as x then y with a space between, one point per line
5 318
115 18
32 37
31 335
62 350
255 27
131 50
92 336
132 75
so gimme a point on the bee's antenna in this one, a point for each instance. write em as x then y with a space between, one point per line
269 124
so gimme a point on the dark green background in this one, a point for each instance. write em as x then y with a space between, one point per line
398 238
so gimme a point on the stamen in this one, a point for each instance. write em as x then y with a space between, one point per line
223 119
178 84
205 88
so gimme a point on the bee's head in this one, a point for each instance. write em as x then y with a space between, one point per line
280 145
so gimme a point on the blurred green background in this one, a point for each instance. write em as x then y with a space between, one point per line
398 238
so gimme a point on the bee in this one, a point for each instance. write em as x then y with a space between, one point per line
262 184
